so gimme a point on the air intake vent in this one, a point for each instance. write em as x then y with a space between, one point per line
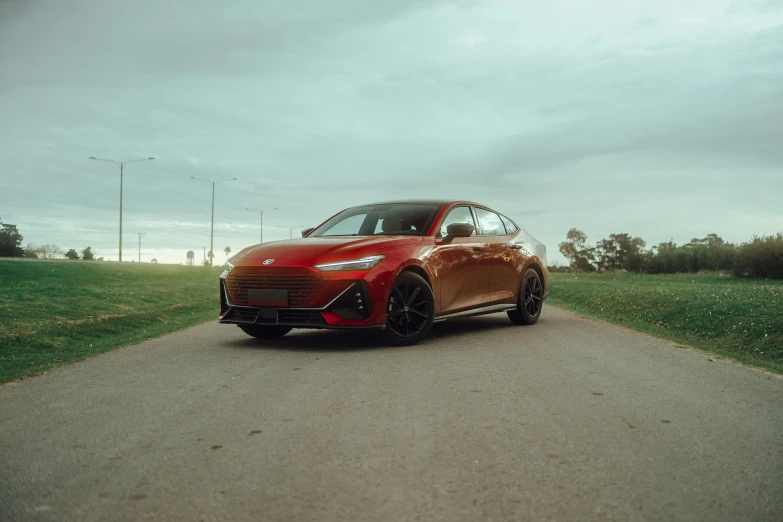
242 315
300 317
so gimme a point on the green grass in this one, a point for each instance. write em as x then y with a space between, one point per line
56 312
741 319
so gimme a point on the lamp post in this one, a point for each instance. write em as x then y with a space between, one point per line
261 221
291 231
122 168
140 234
212 225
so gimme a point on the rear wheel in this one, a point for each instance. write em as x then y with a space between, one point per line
530 301
409 311
267 332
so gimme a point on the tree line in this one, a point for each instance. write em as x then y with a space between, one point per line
761 256
11 246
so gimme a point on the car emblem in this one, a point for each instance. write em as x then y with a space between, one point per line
268 261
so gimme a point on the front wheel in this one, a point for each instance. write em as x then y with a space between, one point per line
530 301
265 332
410 310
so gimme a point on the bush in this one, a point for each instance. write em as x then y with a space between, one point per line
690 258
635 262
710 257
667 262
761 257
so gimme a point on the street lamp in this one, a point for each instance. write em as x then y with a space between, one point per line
261 221
291 231
122 168
212 225
140 234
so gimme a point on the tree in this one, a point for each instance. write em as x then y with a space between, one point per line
712 240
10 241
72 254
575 240
666 247
50 252
606 254
87 254
575 250
43 251
227 250
154 261
615 253
761 257
634 259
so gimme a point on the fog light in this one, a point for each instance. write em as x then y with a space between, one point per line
353 304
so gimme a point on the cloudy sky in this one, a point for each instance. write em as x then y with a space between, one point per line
663 118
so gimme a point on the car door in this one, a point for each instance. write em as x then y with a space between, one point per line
463 265
505 268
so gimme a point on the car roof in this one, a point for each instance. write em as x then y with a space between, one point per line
439 202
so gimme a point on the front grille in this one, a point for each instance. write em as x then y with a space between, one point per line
302 287
305 289
299 317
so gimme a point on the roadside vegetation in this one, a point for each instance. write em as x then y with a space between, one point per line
760 257
741 319
56 312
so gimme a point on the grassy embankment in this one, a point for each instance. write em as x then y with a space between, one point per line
741 319
56 312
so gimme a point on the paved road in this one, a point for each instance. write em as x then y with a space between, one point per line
567 420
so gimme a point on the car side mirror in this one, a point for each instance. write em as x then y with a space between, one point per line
459 230
307 231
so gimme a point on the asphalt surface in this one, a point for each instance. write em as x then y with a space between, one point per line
569 419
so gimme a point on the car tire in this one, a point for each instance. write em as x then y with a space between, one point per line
265 332
410 310
530 301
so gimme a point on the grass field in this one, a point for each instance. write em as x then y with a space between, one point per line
740 319
55 312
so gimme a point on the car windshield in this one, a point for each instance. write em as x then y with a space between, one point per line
411 219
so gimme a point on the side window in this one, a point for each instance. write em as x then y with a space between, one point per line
491 225
457 215
510 226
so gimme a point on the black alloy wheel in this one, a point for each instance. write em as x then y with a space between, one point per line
264 331
410 310
530 301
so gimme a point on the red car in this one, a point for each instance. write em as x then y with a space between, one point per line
397 267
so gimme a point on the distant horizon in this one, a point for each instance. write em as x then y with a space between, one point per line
175 256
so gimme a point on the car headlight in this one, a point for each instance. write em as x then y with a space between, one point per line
229 266
364 263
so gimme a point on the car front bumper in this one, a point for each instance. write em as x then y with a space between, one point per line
315 299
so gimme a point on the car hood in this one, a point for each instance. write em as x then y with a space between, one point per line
312 250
